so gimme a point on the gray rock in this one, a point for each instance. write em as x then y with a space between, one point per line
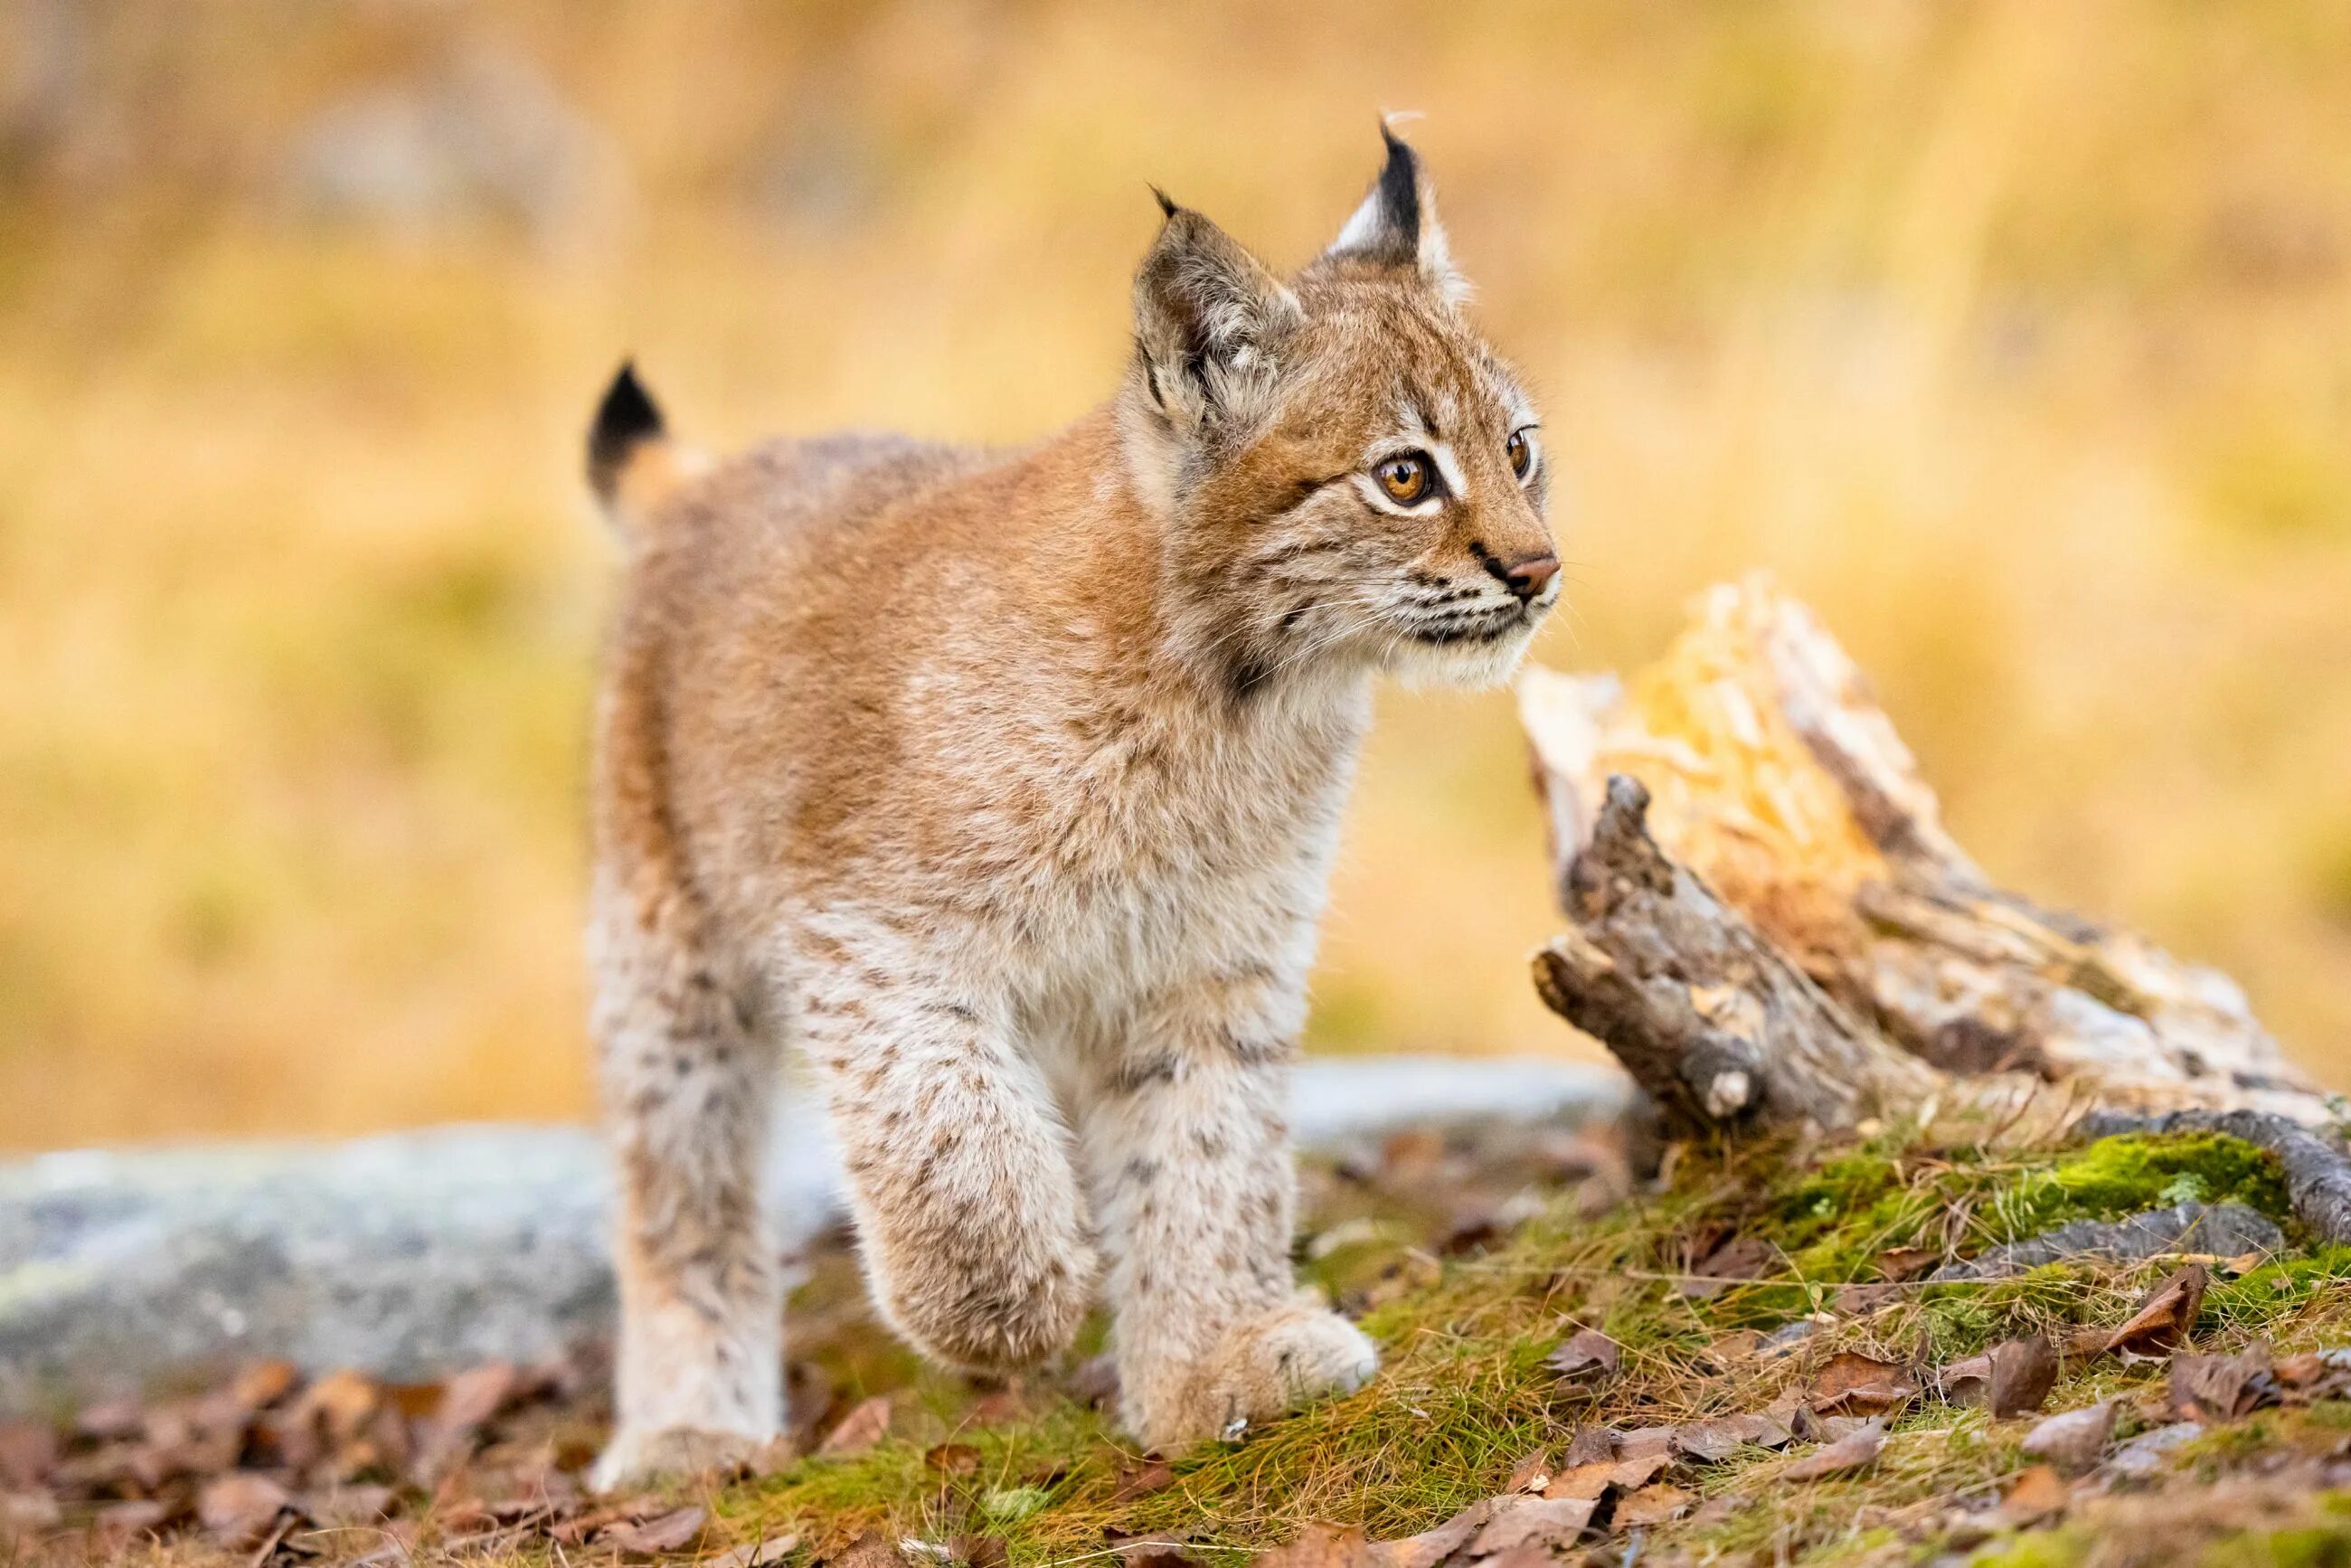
416 1254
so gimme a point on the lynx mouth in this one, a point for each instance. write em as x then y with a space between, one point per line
1490 627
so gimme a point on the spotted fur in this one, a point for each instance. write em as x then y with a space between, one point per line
1007 785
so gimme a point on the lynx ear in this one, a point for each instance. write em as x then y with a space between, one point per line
1209 322
1396 226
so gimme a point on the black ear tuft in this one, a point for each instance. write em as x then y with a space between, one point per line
1396 223
1399 191
1167 202
625 420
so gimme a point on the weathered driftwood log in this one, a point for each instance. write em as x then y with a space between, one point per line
1776 780
1704 1012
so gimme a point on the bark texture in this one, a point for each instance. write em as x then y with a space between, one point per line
1705 1013
1779 788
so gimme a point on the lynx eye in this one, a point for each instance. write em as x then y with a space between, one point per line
1408 480
1520 450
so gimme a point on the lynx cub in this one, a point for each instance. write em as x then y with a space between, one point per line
1007 784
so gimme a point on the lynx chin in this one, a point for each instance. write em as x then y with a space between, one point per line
1007 785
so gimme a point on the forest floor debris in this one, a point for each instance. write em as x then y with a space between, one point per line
1554 1391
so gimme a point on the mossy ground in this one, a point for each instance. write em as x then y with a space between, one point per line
1463 1395
1466 1309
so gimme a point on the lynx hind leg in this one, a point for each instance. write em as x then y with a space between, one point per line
1188 1152
689 1077
969 1220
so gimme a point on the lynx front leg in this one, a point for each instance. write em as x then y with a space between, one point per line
969 1217
688 1085
1188 1152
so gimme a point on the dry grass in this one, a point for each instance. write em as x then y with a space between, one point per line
2014 336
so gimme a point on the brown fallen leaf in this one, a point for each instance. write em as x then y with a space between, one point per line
951 1458
1547 1524
1711 1441
1651 1505
242 1509
1965 1382
870 1550
1855 1450
2223 1387
1645 1442
2023 1371
1738 1345
1151 1476
1589 1446
459 1517
1162 1550
671 1531
865 1425
1861 1385
475 1396
1639 1471
340 1403
1434 1545
263 1384
1586 1359
1740 1258
1899 1263
1588 1483
1320 1546
2167 1315
2073 1440
1860 1301
2037 1494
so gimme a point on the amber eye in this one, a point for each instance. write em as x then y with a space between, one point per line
1408 480
1520 450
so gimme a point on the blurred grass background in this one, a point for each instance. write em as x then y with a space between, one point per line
2017 337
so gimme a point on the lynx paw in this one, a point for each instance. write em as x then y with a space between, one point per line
1290 1357
637 1456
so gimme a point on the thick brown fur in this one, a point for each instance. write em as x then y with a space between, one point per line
1007 785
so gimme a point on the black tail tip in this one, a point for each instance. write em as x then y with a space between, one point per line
625 419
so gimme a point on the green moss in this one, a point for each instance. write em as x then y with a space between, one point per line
2128 1175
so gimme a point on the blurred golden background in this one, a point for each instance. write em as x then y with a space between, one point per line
2017 337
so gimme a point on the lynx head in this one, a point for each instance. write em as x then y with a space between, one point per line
1350 477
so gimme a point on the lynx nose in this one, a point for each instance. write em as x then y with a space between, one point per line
1529 575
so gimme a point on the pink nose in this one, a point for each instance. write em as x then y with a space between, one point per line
1529 575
